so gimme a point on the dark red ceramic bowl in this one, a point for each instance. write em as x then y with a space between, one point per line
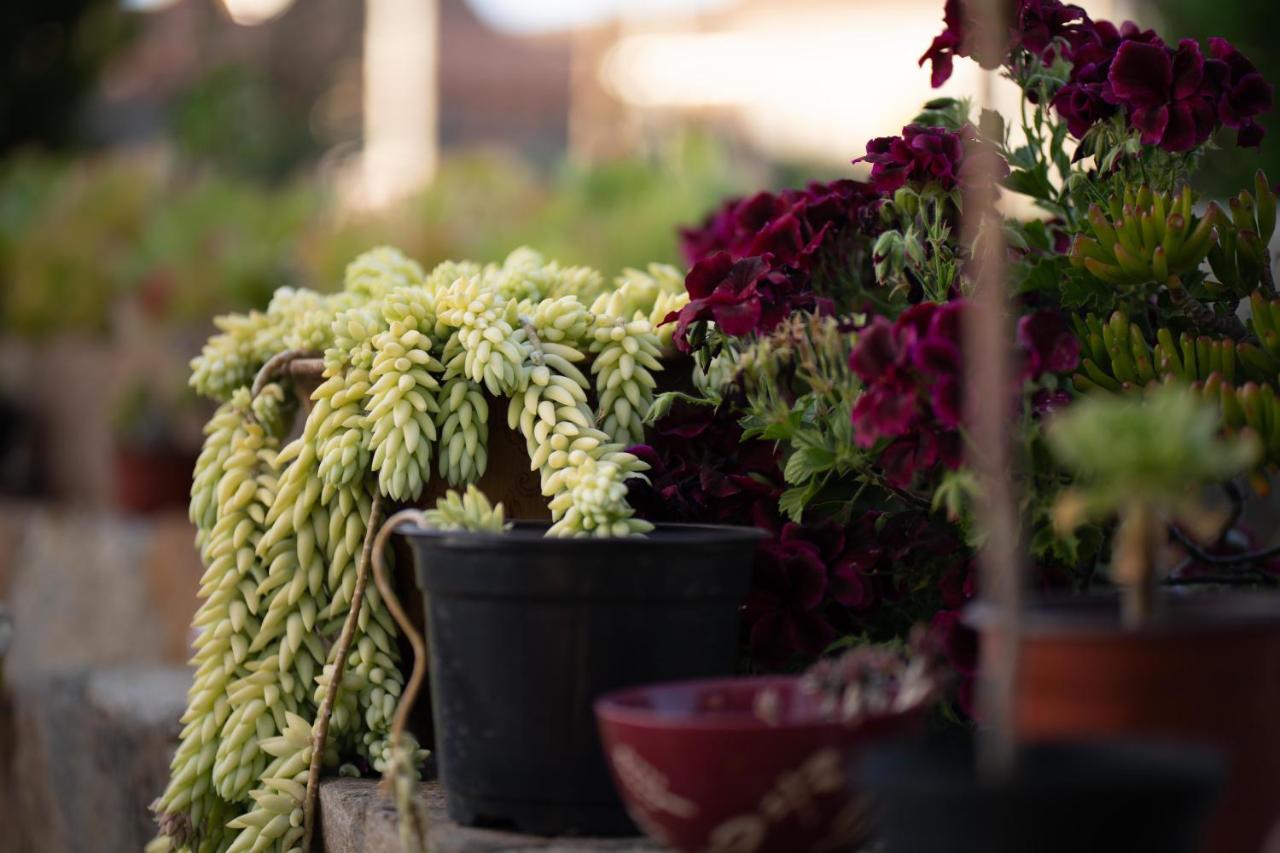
713 766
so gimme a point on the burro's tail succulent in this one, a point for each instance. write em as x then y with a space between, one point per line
411 361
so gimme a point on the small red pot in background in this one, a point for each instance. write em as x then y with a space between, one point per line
152 479
743 764
1205 672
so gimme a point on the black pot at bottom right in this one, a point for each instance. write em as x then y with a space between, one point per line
1086 797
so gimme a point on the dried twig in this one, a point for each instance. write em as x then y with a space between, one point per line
320 731
277 364
413 820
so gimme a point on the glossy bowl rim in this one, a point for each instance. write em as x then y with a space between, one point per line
610 709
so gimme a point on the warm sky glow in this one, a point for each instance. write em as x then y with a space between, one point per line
546 15
807 79
250 12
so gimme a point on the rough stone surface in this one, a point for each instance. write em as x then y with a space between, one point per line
82 754
356 818
87 588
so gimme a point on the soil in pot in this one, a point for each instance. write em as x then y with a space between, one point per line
1206 671
1096 797
525 632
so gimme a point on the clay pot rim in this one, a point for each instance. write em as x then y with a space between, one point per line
528 532
615 708
1177 612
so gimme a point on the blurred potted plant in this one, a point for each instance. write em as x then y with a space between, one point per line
153 464
1193 666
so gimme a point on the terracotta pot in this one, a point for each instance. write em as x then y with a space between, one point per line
702 767
1207 671
152 480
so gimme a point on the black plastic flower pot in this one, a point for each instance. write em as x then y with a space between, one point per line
526 631
1096 796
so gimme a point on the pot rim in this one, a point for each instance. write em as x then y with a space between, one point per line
1177 612
612 707
528 531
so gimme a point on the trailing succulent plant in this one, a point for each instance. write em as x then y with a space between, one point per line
410 361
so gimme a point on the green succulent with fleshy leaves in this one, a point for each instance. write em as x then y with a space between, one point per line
1141 458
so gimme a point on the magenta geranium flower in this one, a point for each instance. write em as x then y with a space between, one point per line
924 156
791 226
921 155
912 372
1037 25
702 469
947 45
1243 94
1087 99
748 296
1048 344
1042 23
783 613
1165 92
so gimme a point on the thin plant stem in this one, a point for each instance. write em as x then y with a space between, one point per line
320 732
413 820
276 365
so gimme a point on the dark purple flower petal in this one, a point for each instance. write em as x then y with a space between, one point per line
1141 74
883 411
1151 121
947 401
1049 344
875 352
1250 135
707 274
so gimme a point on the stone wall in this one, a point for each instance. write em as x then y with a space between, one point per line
92 684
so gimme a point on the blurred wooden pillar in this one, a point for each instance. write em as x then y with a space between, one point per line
401 98
988 414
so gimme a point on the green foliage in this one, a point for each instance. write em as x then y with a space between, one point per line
1152 448
1239 378
1241 259
919 245
77 239
799 392
234 120
1145 238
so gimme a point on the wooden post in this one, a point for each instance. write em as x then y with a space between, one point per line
989 414
401 94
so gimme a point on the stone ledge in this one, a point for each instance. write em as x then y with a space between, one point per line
356 818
